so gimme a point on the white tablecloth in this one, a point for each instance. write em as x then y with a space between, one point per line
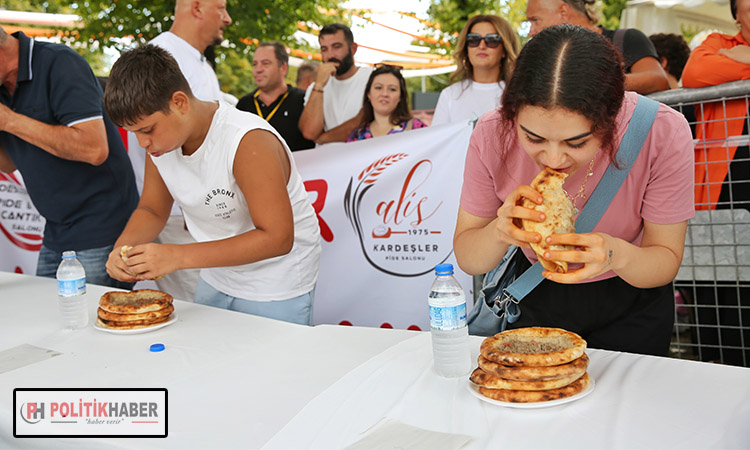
638 402
239 381
233 379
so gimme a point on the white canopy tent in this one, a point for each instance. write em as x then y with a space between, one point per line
672 16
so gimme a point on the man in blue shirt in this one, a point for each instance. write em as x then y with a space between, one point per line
54 130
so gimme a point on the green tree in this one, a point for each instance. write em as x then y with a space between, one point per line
451 15
98 61
106 22
611 13
45 6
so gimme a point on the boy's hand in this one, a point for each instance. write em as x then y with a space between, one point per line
152 261
117 268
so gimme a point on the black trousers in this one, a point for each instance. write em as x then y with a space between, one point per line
610 314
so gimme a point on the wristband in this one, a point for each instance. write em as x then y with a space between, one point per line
318 90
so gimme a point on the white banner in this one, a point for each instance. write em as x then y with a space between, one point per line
21 226
387 209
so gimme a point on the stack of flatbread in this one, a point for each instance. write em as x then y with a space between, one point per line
135 309
559 212
535 364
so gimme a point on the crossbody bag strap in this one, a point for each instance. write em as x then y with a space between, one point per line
630 146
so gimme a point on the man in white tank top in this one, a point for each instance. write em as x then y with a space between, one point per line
258 240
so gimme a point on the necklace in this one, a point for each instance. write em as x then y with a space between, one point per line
582 191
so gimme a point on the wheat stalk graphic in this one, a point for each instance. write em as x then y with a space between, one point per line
371 172
354 195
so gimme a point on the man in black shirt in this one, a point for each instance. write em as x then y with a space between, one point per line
275 101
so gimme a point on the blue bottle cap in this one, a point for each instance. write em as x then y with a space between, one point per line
444 269
157 347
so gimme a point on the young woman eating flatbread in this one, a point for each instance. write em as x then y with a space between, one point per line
565 109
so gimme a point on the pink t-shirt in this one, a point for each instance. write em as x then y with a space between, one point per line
659 187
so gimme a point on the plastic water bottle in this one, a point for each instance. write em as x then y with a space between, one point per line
71 290
450 335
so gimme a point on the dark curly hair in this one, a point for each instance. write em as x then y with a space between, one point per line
674 49
567 67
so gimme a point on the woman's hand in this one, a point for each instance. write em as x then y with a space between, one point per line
596 251
117 268
508 223
151 261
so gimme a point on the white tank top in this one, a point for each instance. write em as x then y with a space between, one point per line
214 207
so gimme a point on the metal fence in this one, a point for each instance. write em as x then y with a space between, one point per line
712 288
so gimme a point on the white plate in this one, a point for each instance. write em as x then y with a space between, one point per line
474 389
139 330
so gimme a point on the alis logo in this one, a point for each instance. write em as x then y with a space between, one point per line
396 215
20 222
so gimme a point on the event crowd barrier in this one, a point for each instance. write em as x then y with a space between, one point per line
712 288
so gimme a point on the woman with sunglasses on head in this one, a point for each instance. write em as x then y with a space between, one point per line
566 109
385 108
485 54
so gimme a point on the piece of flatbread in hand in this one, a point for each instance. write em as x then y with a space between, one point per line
123 254
560 216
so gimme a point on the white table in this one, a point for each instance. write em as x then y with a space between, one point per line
239 381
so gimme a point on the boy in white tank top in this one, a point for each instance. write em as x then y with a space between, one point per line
236 182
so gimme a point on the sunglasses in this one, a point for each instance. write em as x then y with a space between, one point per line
388 66
491 40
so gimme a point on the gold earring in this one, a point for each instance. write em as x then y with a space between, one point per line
739 25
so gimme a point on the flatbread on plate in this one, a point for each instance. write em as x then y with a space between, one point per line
559 212
132 325
482 378
516 396
135 302
149 315
574 368
533 346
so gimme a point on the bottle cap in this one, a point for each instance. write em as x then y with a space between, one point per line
69 254
157 347
444 269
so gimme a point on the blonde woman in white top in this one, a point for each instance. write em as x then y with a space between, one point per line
485 54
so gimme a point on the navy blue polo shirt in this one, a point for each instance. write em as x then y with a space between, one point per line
85 206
